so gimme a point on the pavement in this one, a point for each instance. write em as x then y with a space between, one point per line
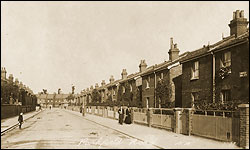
158 137
9 123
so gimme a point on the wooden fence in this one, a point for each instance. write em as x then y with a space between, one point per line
220 125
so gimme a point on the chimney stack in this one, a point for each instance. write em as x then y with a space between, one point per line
173 51
103 82
96 86
91 87
111 79
16 81
124 74
143 65
11 78
3 73
239 24
21 84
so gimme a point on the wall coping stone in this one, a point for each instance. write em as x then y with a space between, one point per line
244 105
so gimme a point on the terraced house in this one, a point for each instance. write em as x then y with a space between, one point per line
158 87
219 73
140 89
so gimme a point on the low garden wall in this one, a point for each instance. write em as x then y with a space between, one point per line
8 110
229 126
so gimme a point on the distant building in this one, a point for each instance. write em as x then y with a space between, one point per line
54 100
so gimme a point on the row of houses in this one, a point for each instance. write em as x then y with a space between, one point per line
54 100
15 96
216 73
15 92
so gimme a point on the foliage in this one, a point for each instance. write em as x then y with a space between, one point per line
230 105
223 73
163 92
96 96
125 98
9 89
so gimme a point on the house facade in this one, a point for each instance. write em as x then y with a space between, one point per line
219 73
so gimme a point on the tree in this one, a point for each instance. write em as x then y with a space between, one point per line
96 97
163 93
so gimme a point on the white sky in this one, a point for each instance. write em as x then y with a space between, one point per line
53 45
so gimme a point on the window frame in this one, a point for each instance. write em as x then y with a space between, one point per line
195 72
224 62
147 84
225 96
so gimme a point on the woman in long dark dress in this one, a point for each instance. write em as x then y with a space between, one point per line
128 116
121 115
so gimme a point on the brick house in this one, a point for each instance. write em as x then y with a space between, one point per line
167 70
129 89
112 89
219 72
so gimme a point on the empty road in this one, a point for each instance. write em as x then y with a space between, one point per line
57 128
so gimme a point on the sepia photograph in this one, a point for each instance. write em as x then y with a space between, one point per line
124 74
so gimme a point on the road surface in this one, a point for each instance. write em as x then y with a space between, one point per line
57 128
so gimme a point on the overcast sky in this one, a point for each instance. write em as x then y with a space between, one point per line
53 45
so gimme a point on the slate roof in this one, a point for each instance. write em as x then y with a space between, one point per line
230 40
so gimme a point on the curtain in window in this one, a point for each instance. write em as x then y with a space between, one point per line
227 59
196 65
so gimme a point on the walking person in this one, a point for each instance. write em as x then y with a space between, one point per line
121 115
128 116
20 120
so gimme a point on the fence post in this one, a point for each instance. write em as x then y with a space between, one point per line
132 114
114 108
177 112
189 118
244 125
103 111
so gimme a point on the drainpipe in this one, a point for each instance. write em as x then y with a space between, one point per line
155 89
213 76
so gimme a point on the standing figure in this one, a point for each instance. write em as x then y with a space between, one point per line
128 116
80 109
20 120
121 115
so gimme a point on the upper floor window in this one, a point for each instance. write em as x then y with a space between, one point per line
225 59
161 75
123 89
113 92
195 70
147 84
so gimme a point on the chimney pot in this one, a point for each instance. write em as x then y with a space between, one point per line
124 74
237 14
173 51
143 65
111 79
103 82
242 13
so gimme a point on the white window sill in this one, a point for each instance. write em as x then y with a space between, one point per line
194 78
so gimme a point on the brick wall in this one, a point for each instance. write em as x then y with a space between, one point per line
239 62
174 72
8 111
148 92
203 85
